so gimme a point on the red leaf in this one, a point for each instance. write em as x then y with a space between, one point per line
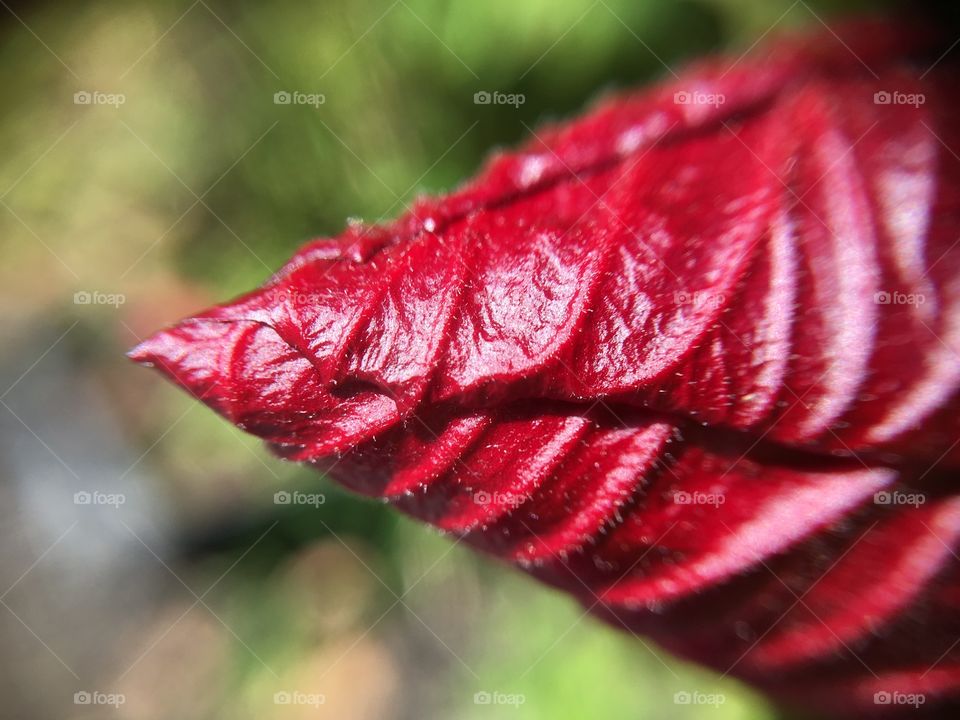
693 358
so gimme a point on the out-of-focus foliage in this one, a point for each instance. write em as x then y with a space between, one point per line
193 190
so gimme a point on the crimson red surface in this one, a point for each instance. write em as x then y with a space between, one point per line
692 358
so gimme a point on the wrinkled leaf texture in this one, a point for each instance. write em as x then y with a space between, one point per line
648 358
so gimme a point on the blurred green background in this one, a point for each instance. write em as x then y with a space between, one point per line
199 596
